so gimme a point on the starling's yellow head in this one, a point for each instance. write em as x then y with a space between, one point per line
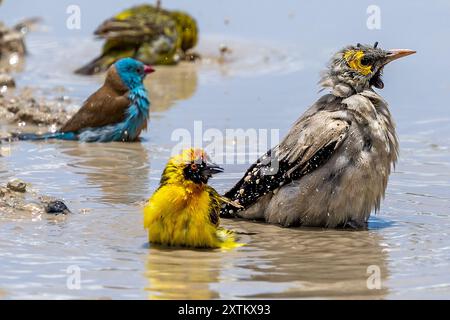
356 60
361 66
190 166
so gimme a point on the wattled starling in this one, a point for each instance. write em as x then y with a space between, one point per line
147 33
332 168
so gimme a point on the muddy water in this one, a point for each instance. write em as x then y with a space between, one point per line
266 83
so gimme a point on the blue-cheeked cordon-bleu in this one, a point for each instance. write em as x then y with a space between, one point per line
184 210
331 169
118 111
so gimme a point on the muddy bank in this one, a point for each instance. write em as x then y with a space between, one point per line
6 81
12 47
12 52
24 109
18 196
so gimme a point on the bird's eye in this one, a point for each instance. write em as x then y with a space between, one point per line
366 61
358 61
194 167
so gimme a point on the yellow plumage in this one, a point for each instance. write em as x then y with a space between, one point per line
184 211
353 58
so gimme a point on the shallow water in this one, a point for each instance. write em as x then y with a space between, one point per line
266 83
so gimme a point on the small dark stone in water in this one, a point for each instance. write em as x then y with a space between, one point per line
56 207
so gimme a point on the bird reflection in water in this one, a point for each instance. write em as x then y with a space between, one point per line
275 263
182 273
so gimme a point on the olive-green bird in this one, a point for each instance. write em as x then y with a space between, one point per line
147 33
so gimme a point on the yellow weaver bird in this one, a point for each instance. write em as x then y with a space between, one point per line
184 210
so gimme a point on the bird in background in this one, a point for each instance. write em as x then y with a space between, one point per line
148 33
184 210
118 111
332 168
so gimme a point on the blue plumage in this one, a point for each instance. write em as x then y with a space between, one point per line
49 135
107 115
129 129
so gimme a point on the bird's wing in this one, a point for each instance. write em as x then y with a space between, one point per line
214 206
128 30
310 143
99 110
136 24
312 140
216 202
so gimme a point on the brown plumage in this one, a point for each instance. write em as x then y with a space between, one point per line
105 106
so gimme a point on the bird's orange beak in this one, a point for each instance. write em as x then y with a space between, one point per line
395 54
148 69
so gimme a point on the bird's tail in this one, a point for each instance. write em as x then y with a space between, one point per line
44 136
227 239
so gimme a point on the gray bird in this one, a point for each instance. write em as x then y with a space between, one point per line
332 168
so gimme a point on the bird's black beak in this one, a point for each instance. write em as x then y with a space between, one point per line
209 169
395 54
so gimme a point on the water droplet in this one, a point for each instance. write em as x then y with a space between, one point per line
13 59
53 128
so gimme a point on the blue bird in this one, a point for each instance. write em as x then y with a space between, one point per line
118 111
